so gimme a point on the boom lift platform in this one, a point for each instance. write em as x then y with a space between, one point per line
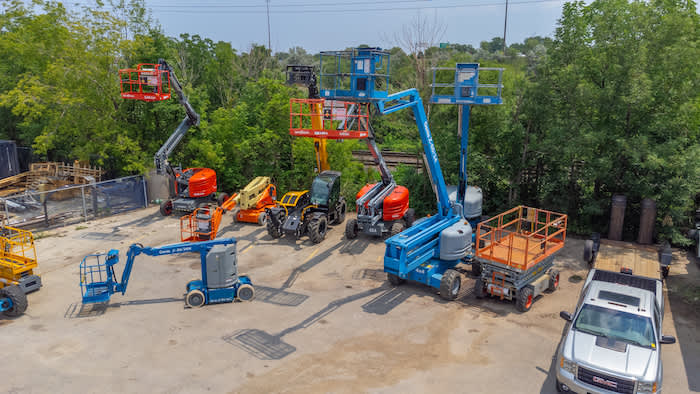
516 252
192 186
17 264
251 201
383 207
220 280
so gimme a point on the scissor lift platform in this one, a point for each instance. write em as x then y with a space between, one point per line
515 254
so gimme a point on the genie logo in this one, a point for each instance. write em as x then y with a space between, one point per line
605 382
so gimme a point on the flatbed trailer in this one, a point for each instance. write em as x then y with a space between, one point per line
616 256
515 254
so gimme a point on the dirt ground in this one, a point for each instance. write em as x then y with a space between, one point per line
324 320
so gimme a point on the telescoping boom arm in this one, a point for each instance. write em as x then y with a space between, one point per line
191 119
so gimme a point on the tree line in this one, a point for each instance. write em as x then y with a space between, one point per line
610 104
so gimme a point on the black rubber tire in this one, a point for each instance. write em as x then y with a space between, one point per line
395 280
558 385
409 217
262 219
397 227
195 299
318 229
19 300
351 229
553 280
245 292
524 299
274 231
476 269
664 272
166 208
588 251
450 285
340 214
222 198
479 289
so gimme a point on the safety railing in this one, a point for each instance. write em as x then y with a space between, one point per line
146 82
97 276
17 247
330 119
521 237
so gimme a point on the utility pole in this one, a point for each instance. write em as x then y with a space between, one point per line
505 24
269 47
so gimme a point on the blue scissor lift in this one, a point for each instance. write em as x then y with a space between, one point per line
427 251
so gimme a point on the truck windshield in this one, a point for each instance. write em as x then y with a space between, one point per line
319 191
623 326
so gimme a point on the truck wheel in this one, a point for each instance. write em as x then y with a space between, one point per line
351 229
450 285
18 299
409 217
245 292
222 199
397 227
194 299
524 298
476 269
318 229
664 272
262 219
479 289
588 252
395 280
560 389
553 280
340 213
166 208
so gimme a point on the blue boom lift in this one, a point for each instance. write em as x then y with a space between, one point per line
428 251
220 280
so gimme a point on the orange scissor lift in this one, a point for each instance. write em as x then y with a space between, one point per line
515 253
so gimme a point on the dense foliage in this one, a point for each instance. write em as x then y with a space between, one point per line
611 104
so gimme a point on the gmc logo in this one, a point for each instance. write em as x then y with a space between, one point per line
606 382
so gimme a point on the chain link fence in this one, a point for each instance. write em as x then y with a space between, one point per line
73 204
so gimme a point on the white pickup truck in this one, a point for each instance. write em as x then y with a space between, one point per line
612 342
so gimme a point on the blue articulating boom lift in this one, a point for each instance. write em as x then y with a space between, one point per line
220 280
428 251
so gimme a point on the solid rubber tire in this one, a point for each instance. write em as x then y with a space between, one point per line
245 292
318 229
262 219
476 269
409 217
450 284
479 289
524 299
19 300
588 251
397 227
195 299
554 279
395 280
351 229
274 231
340 215
166 208
222 199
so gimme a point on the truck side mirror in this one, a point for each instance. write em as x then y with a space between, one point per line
668 339
567 316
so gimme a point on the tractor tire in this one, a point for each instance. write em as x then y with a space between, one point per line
588 252
450 285
245 292
274 231
409 217
397 227
166 208
553 280
524 298
479 289
318 229
18 298
222 199
395 280
262 219
351 229
195 299
340 213
476 269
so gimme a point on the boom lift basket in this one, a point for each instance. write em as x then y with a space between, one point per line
340 119
17 254
359 74
147 82
97 277
520 237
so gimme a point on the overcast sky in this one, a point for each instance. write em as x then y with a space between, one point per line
318 25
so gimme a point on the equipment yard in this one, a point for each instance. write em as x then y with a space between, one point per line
324 319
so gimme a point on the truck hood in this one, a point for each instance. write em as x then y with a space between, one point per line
619 357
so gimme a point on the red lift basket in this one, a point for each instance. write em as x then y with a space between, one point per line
336 122
146 82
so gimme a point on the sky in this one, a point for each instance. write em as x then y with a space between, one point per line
318 25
